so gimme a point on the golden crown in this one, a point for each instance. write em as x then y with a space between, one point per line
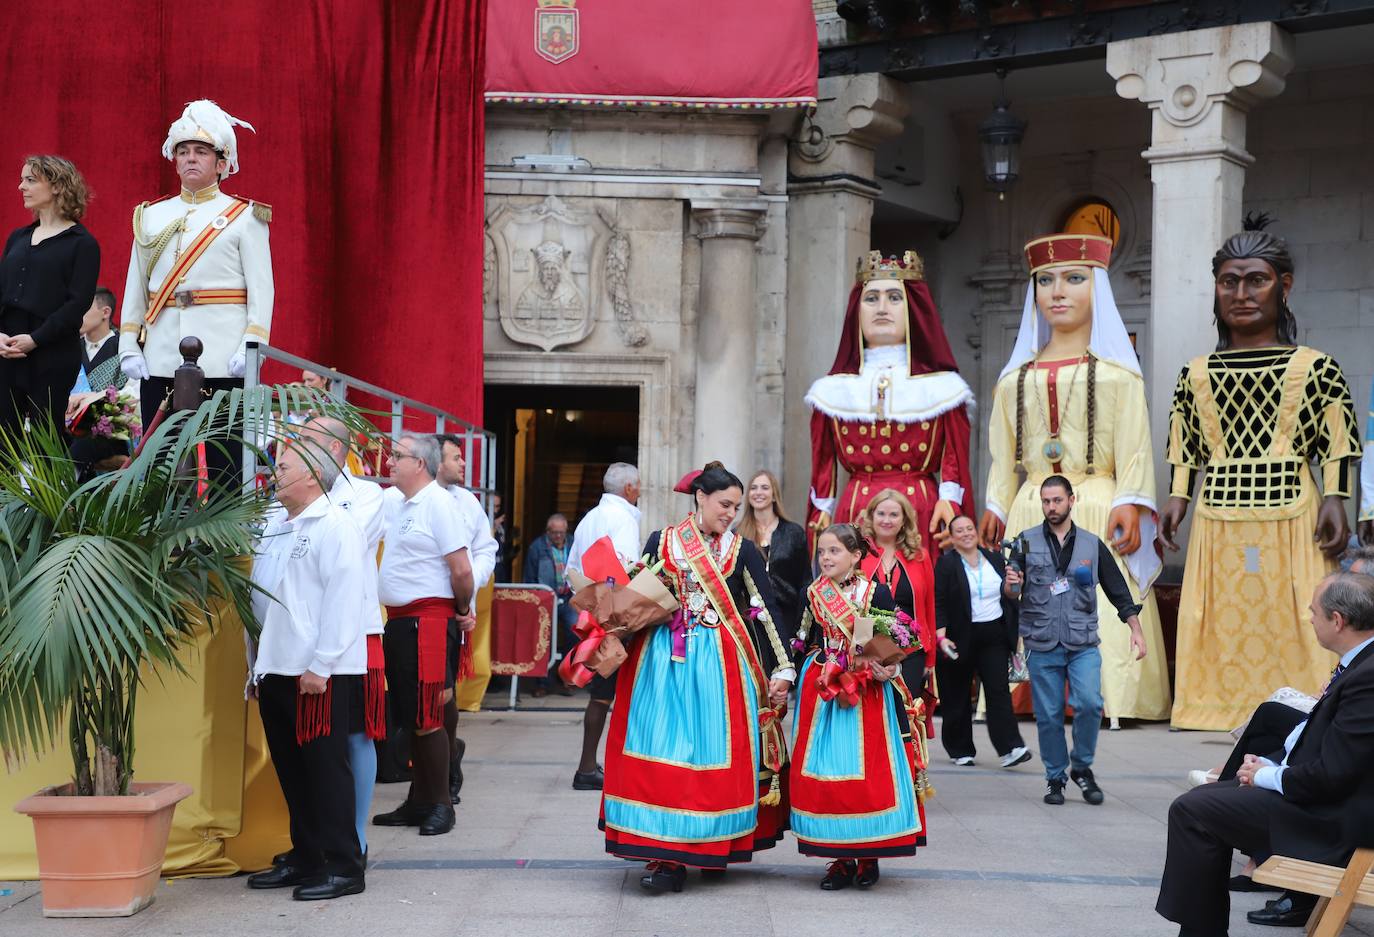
556 3
874 266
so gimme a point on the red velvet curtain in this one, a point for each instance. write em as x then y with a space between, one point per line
369 147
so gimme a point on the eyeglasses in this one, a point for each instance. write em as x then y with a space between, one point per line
398 456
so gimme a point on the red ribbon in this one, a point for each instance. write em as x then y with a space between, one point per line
374 689
844 686
313 713
573 668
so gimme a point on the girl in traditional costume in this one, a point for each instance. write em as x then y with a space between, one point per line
854 783
1071 402
893 411
695 754
1257 413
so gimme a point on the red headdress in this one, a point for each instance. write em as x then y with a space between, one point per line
927 345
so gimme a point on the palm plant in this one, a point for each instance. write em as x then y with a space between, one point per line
99 577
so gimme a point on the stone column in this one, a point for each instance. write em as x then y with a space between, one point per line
831 190
1199 87
726 327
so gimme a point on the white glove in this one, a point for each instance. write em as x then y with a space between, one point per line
134 365
237 365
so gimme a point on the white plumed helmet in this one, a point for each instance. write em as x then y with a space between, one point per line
206 122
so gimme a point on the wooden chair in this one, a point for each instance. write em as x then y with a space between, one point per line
1338 890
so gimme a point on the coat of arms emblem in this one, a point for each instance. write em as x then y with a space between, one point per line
555 30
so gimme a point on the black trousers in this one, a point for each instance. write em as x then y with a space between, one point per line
316 777
224 457
1268 729
37 402
1205 825
985 657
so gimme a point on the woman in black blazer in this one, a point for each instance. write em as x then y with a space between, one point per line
782 543
976 629
47 281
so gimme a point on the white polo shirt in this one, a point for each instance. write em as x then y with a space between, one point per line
314 568
482 548
363 502
613 517
420 532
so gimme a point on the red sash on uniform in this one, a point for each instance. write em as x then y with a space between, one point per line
374 689
431 639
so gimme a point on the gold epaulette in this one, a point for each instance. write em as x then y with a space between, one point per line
262 211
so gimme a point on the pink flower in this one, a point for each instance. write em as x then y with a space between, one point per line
111 393
903 618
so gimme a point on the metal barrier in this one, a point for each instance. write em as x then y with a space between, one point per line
480 478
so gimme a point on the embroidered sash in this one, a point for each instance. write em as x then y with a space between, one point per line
698 557
188 259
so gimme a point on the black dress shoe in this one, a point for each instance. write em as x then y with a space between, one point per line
1292 910
1246 883
284 876
867 874
438 820
331 886
589 780
839 874
407 814
455 773
281 858
664 876
1088 785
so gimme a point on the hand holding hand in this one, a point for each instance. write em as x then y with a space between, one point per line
882 673
778 691
18 346
1245 774
312 684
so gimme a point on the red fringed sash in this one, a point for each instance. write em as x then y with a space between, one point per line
431 638
312 712
374 690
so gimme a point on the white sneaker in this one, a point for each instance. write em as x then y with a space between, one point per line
1197 778
1017 756
963 761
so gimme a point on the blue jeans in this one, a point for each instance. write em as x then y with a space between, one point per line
1082 668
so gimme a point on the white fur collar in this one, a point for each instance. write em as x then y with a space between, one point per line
855 396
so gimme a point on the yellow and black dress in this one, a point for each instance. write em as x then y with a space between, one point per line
1256 419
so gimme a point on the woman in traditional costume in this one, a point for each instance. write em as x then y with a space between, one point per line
1257 412
896 558
893 411
854 778
1071 402
695 754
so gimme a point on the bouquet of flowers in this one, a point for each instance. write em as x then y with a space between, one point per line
111 414
613 601
895 636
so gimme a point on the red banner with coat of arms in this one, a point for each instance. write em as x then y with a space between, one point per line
709 53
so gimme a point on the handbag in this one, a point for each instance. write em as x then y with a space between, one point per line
1017 671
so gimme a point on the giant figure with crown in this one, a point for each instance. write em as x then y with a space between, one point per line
893 411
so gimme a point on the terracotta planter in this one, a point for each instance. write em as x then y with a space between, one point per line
101 856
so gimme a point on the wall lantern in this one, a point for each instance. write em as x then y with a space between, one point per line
1001 133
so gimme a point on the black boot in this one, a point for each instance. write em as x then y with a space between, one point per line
664 876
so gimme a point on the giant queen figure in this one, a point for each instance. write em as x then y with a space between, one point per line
1071 402
893 411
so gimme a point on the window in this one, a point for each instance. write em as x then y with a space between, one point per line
1093 216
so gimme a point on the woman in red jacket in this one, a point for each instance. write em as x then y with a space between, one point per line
897 559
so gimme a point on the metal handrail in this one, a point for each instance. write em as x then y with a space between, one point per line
482 484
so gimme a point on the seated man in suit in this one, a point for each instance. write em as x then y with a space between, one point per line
1294 802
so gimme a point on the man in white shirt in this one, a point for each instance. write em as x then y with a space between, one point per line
426 583
617 517
452 475
326 439
311 656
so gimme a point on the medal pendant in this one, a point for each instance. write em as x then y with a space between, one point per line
710 617
1053 449
697 602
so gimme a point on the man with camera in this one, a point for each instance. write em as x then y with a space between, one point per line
1063 567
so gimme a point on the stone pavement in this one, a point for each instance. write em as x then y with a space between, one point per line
526 859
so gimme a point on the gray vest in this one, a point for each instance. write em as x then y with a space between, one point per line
1070 618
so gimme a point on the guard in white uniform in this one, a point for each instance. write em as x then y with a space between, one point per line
426 583
362 500
200 265
308 672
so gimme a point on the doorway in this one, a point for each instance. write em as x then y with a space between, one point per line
553 445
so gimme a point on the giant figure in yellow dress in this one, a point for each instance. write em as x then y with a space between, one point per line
1071 401
1257 412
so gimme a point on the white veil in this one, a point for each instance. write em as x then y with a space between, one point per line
1109 340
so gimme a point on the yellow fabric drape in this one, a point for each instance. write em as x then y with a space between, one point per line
1123 470
195 728
471 690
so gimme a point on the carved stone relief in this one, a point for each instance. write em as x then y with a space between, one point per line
555 266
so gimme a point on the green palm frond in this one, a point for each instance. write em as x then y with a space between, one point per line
99 577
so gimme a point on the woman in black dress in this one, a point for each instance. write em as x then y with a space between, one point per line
782 543
48 277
